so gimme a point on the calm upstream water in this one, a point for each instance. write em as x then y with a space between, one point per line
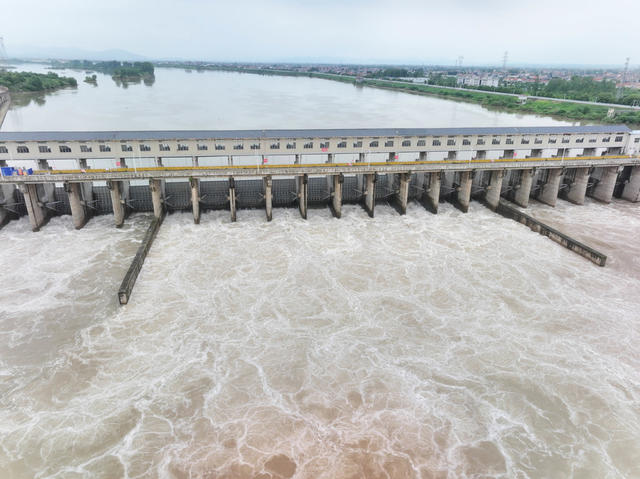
419 346
217 100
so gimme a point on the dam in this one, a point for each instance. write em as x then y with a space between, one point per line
120 172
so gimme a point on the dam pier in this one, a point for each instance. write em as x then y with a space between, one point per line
88 173
83 174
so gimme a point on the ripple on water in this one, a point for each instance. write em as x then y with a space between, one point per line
416 346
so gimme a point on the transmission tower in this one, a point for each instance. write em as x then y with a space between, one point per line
3 52
624 79
505 57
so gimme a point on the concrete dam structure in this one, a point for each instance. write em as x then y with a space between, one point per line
87 173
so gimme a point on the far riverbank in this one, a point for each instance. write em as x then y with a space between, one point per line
560 110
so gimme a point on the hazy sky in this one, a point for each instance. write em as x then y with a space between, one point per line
541 31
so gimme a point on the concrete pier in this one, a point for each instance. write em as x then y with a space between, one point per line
370 193
268 197
78 204
303 194
119 193
463 193
36 210
7 201
402 195
232 198
631 190
336 195
577 188
431 193
523 189
194 183
157 196
492 194
548 193
603 190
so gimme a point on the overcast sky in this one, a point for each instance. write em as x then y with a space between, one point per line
535 32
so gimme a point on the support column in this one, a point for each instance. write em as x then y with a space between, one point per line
631 190
431 194
463 196
6 198
268 197
119 191
296 161
492 195
402 196
232 198
330 158
159 165
549 191
578 188
603 191
35 209
194 162
77 203
43 165
361 157
523 190
302 185
370 193
195 199
157 187
336 195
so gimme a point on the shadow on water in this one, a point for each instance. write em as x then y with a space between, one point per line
124 83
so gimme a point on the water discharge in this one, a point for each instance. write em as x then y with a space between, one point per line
427 346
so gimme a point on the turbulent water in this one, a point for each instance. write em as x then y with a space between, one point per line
426 346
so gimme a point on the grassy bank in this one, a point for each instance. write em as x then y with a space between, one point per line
35 82
560 110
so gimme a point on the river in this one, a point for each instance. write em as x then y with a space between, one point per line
212 100
419 346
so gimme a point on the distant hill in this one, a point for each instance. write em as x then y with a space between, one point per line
33 52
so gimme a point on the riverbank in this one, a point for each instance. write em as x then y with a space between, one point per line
561 110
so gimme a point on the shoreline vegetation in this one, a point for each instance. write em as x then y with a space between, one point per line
19 82
561 110
119 71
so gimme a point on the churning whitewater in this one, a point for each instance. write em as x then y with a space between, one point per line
426 346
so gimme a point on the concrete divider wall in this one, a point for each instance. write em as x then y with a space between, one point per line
583 250
129 281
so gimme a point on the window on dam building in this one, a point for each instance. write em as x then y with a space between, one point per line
373 144
105 148
23 149
85 149
202 147
127 148
44 149
3 149
182 147
64 149
145 148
